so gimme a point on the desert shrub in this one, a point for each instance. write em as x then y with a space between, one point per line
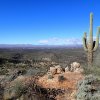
85 89
97 58
3 60
50 76
13 75
15 91
32 71
17 56
61 78
19 88
21 65
1 92
94 70
8 65
3 71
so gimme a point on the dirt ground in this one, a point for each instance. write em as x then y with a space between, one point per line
69 84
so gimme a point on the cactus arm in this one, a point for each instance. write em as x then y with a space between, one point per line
85 42
97 40
90 44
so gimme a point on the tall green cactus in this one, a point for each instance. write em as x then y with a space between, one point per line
91 46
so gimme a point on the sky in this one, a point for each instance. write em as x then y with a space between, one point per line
46 22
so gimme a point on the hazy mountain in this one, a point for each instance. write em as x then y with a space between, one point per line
30 46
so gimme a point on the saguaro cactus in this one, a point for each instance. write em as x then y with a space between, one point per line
91 46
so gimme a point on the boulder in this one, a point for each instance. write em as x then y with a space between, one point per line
53 70
46 59
59 69
42 63
74 66
67 69
57 66
78 70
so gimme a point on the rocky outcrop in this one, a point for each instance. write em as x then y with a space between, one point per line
67 69
62 80
59 69
19 84
76 67
56 70
53 70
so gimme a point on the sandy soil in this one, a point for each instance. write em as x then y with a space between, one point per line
69 84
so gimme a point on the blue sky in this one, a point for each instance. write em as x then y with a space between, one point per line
53 22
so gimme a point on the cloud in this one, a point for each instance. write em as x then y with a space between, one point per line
60 41
43 41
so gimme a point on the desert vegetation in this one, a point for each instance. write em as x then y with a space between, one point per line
58 73
91 46
30 64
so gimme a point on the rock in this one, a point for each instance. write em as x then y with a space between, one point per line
46 59
57 66
42 64
59 69
53 63
67 69
79 70
74 65
53 70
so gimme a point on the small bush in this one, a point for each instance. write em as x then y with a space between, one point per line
61 78
3 71
20 88
85 89
50 76
94 70
14 91
32 71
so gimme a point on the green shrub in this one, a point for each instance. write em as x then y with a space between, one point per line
3 71
85 89
14 91
61 78
50 76
20 88
32 71
95 70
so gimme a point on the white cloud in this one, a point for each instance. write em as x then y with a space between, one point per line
43 41
61 41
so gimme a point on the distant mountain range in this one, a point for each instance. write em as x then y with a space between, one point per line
15 45
30 46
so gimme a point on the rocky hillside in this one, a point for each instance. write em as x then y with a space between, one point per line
57 84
